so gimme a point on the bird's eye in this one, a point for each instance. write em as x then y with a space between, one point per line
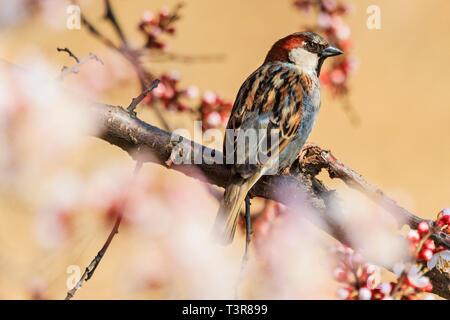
310 44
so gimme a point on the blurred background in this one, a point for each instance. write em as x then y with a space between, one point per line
396 135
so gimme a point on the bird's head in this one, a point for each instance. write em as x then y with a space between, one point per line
307 50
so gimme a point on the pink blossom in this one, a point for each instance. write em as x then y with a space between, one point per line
371 281
440 261
385 288
415 277
343 293
423 227
329 5
351 65
191 92
175 75
156 31
337 76
209 97
214 119
340 27
148 16
364 293
324 20
159 90
413 236
340 275
164 12
426 254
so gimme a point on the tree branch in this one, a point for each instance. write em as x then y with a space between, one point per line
89 271
134 103
69 53
313 159
75 68
109 15
147 143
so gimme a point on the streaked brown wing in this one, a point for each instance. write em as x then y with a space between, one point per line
270 98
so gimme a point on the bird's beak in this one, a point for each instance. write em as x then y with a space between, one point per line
331 51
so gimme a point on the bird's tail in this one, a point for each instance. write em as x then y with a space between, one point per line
230 207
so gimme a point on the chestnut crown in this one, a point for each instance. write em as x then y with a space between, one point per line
305 49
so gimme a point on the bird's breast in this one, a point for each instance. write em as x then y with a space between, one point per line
310 109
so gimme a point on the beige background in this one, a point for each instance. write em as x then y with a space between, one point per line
400 93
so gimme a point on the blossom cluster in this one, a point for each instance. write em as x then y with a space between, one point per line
154 25
214 110
441 257
443 220
169 93
330 22
361 281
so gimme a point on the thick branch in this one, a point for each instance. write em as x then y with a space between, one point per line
147 143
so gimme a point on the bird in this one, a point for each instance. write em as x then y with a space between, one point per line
281 96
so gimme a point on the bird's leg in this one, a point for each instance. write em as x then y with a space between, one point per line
248 220
248 233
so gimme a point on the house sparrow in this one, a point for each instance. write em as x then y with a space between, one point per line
282 95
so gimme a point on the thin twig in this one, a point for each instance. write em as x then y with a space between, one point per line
74 69
161 118
69 52
89 272
350 111
130 54
145 77
109 15
158 56
94 30
134 103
